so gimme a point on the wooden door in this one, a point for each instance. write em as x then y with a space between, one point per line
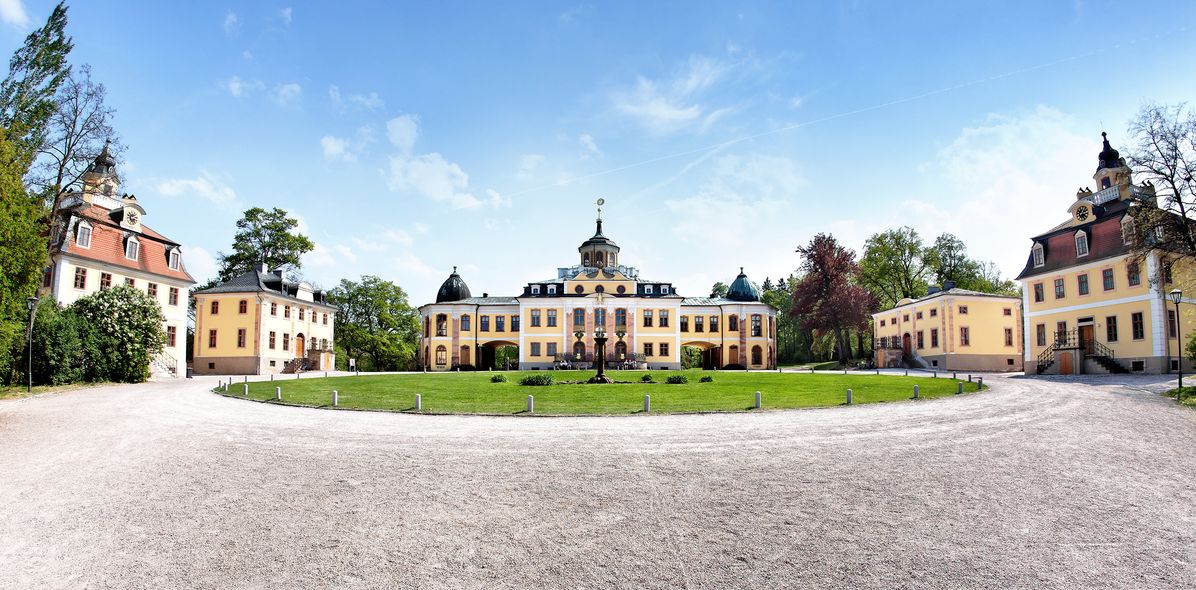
1086 338
905 343
1065 367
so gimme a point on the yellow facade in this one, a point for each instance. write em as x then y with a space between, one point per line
954 330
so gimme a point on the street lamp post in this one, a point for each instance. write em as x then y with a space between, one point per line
1176 296
29 337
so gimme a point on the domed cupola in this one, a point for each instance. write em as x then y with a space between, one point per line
104 163
599 251
1108 157
453 289
742 289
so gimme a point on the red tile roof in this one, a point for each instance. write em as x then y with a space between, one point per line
108 246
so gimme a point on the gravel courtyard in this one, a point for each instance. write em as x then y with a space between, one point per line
1037 483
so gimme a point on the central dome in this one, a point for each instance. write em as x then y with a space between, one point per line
742 289
599 251
453 289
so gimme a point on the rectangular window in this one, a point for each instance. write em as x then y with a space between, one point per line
273 339
1038 258
1139 329
934 313
1040 334
173 296
286 341
698 327
83 236
241 338
918 315
551 349
1111 328
1038 293
485 323
882 323
579 319
664 349
211 338
174 260
325 318
1081 244
1008 336
552 289
963 310
934 337
1107 278
1083 283
535 349
733 323
1008 311
552 318
535 291
647 318
301 310
648 349
920 342
273 308
600 317
1060 331
965 336
664 290
132 249
130 282
105 281
172 335
80 278
535 318
1132 274
500 323
1171 323
243 306
905 318
756 326
464 323
713 323
1059 289
621 319
684 323
152 290
286 311
664 318
214 308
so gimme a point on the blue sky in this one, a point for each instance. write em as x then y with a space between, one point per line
409 138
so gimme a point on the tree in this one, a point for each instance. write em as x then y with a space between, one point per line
375 320
22 252
1164 152
949 261
895 266
35 72
267 237
827 298
719 290
126 333
78 130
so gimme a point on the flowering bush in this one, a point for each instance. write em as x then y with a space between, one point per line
124 333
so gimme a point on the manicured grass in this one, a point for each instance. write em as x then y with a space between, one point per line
473 393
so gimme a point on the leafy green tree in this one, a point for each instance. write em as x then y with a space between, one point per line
126 333
58 338
691 357
895 265
719 290
35 72
949 261
268 237
22 254
375 320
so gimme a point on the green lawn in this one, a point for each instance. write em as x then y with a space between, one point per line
1189 396
473 393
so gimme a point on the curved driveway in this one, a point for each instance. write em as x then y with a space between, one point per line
1037 483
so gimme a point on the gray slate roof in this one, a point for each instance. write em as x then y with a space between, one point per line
486 301
261 282
955 291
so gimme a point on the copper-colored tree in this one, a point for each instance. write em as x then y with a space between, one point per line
828 299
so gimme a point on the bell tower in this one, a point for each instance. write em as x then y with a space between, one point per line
599 251
1111 170
100 179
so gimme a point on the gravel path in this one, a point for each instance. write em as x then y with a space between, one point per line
1037 483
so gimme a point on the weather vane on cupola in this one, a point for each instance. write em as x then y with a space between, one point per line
600 202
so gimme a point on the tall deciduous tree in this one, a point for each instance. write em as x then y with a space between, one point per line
35 72
719 289
1164 154
78 130
375 320
22 252
828 298
895 265
268 237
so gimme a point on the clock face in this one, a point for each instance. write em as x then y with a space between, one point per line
1082 213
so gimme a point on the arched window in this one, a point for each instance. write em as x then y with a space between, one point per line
1038 258
441 355
1081 243
585 259
132 248
599 260
465 323
441 325
757 356
243 306
733 323
83 235
427 357
579 351
1105 182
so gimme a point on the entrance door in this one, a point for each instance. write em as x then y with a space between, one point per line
299 345
1065 364
905 343
1086 338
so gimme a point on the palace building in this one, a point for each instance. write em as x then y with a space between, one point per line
1092 304
98 241
553 323
258 323
951 329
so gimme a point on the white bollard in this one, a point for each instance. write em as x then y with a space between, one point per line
757 400
278 394
647 403
849 397
335 398
246 390
419 402
531 405
915 392
959 389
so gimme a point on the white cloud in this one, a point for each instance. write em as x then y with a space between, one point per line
231 23
288 94
199 263
795 102
334 94
238 87
740 191
587 141
431 176
528 164
403 131
667 106
495 199
206 186
370 102
285 15
336 148
247 55
13 12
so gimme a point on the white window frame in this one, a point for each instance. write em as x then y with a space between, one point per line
79 236
1081 237
552 289
664 289
133 243
647 288
173 259
535 289
1039 259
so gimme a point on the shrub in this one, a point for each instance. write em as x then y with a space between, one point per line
498 379
677 380
706 379
646 378
125 333
541 379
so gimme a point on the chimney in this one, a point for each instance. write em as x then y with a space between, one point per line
931 290
484 295
948 285
262 268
